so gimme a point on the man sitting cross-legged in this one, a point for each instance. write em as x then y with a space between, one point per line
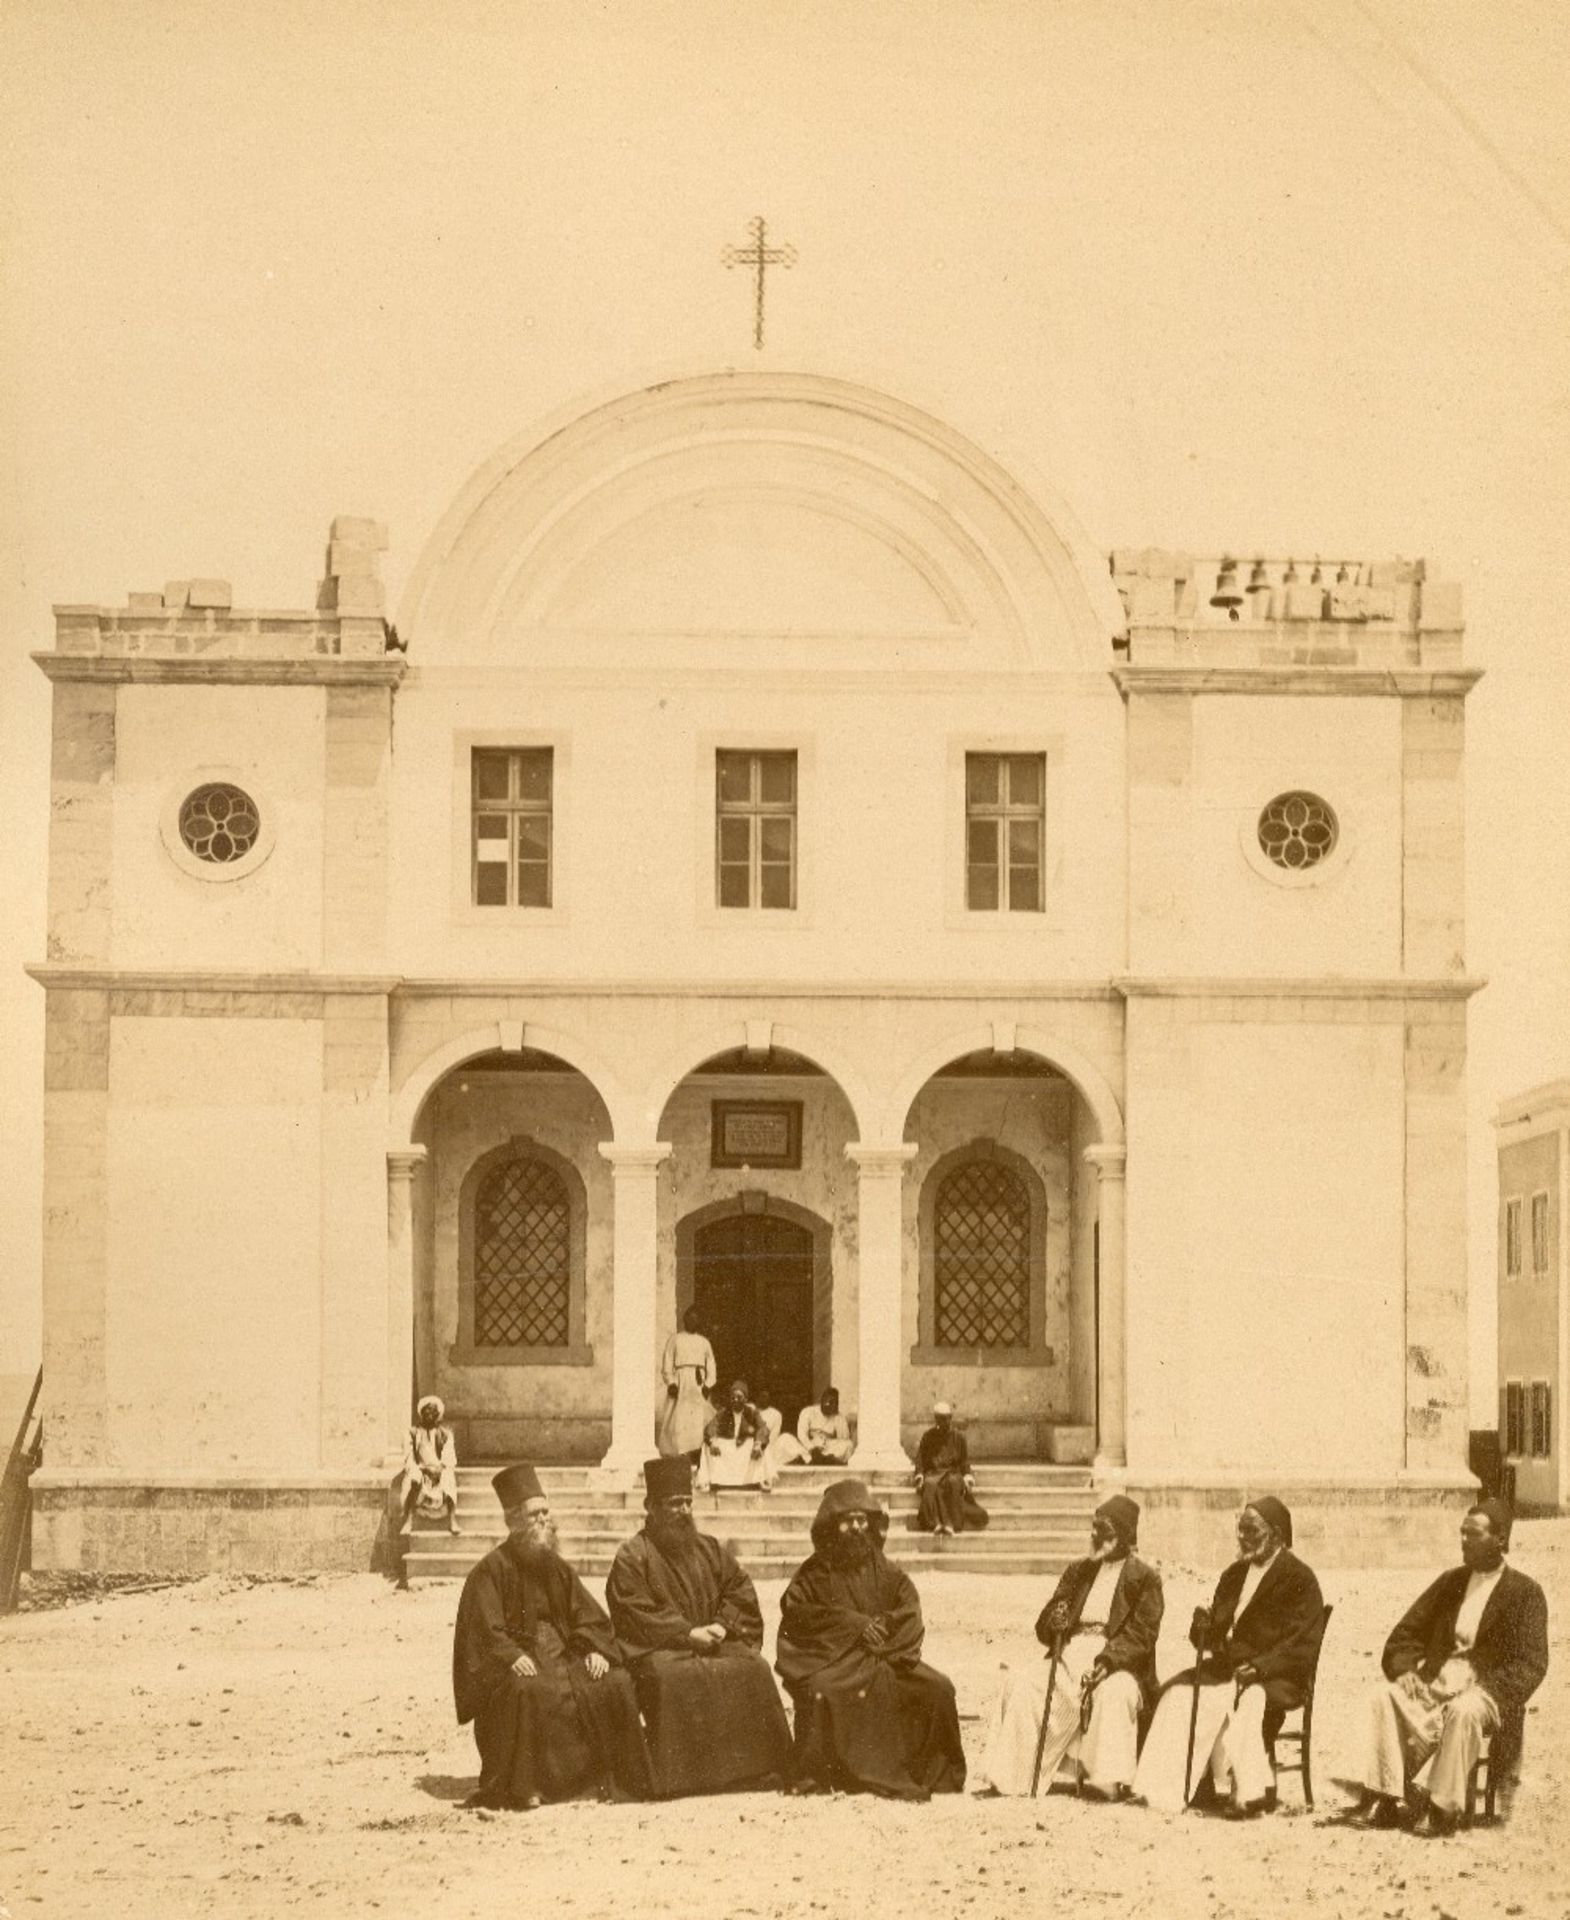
822 1437
869 1713
1104 1619
535 1667
1258 1641
1460 1666
689 1626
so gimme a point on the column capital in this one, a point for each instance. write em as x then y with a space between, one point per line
624 1157
1109 1161
402 1162
884 1162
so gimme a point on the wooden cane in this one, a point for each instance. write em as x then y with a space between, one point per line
1046 1712
1193 1715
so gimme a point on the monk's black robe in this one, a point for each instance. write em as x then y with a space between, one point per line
557 1735
879 1719
714 1720
943 1460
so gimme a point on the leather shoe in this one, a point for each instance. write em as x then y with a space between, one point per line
1377 1815
1434 1824
1246 1809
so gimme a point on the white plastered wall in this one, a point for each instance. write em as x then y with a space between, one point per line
214 1285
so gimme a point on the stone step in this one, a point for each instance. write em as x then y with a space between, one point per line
617 1524
989 1473
958 1556
477 1508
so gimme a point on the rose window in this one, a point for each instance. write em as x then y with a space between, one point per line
219 823
1297 831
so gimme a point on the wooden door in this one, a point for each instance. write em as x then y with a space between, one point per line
752 1286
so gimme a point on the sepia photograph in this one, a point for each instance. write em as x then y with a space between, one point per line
785 961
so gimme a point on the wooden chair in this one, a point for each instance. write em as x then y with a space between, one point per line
1493 1770
1302 1735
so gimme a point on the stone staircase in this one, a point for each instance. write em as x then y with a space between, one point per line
1040 1521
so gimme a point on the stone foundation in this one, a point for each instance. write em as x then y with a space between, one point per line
191 1526
1409 1523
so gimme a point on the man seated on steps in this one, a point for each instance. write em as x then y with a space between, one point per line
430 1467
945 1485
822 1437
736 1445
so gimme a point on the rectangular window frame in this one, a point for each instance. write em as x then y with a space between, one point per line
1512 1234
997 819
707 911
465 912
1540 1421
1513 1433
1003 923
1539 1234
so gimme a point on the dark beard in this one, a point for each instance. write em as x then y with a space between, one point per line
533 1549
672 1532
851 1551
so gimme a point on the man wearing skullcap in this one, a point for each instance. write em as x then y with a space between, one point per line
736 1444
535 1667
945 1485
689 1626
1258 1642
870 1714
1103 1622
430 1466
1460 1666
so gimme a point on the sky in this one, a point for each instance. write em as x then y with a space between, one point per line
1269 275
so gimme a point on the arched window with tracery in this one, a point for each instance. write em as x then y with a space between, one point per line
522 1257
983 1233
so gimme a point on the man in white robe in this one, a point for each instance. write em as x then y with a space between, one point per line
1101 1624
822 1437
430 1467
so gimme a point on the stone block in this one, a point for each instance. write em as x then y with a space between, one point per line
354 530
1440 605
357 594
216 594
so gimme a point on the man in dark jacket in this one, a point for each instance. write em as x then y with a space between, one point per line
1460 1667
1103 1621
869 1712
1258 1642
535 1667
945 1486
689 1626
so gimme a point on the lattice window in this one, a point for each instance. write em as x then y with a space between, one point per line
1297 831
981 1258
522 1257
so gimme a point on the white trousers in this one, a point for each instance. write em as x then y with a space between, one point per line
1434 1740
1105 1753
732 1463
1228 1738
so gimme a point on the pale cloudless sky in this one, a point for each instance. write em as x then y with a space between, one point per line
1259 274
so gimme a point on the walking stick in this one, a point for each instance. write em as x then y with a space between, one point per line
1193 1714
1046 1712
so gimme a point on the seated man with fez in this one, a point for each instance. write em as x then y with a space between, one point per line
535 1667
1460 1665
1102 1623
689 1626
869 1713
1258 1641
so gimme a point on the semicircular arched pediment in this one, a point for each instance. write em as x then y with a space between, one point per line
753 519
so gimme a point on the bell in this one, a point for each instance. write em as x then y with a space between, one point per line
1289 578
1226 593
1342 576
1316 578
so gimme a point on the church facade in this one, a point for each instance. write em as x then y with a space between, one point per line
773 867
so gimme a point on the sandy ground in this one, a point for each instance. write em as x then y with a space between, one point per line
223 1749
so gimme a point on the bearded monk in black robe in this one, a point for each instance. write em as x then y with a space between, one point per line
689 1626
869 1713
535 1667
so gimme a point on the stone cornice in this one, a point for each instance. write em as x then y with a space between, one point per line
1032 992
1406 683
324 670
1220 987
61 977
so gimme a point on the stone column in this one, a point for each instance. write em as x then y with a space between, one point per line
879 1305
635 1175
1111 1364
401 1165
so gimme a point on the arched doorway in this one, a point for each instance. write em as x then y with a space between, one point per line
752 1286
